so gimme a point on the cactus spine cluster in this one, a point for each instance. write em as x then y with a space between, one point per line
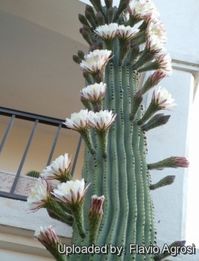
124 42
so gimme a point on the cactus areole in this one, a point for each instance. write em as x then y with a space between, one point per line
111 212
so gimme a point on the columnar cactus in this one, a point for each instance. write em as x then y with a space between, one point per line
116 207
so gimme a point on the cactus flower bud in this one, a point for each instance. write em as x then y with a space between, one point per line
168 180
95 216
96 208
171 162
156 77
47 236
49 239
153 80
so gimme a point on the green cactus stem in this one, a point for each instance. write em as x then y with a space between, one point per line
56 211
77 212
86 137
122 177
103 136
152 108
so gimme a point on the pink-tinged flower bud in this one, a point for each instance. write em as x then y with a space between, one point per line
157 76
47 236
95 61
153 80
59 169
95 217
180 162
171 162
97 205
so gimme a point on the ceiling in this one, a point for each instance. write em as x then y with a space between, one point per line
38 39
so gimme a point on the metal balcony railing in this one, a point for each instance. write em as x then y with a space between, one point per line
36 120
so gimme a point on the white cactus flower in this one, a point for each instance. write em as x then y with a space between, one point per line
39 195
101 120
94 92
71 192
59 168
78 121
164 61
156 34
47 236
163 99
126 32
95 61
143 8
107 31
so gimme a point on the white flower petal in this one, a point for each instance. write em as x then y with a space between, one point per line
59 166
107 31
78 120
142 8
165 62
70 191
94 92
127 32
38 194
95 60
156 34
101 120
163 98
